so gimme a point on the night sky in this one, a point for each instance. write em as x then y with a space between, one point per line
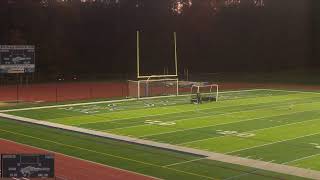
75 37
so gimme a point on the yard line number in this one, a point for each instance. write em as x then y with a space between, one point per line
160 123
235 133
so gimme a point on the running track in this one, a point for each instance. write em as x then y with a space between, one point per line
51 92
70 168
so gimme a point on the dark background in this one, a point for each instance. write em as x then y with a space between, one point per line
73 37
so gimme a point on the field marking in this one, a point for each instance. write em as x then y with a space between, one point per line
125 100
142 116
146 98
252 119
293 91
85 160
184 162
115 101
275 142
299 159
284 169
192 118
243 174
207 177
101 153
247 131
179 110
250 173
76 147
289 124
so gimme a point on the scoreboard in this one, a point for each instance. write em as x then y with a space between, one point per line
27 166
17 59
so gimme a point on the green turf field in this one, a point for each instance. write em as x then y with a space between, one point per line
269 125
142 159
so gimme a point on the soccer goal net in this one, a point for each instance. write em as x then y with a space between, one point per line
153 87
204 93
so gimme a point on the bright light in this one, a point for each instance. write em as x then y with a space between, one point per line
232 3
178 6
258 3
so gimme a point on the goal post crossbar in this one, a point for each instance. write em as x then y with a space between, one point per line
153 80
157 76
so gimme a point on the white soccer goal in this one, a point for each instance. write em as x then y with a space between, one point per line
201 93
153 87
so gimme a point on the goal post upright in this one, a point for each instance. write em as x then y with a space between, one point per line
217 95
141 78
175 52
138 53
138 95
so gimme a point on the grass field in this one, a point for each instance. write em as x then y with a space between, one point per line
269 125
142 159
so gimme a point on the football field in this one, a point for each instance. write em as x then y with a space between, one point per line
276 126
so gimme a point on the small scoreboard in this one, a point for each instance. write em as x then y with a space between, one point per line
27 166
17 59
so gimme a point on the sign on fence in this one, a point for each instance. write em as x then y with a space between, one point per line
27 166
17 59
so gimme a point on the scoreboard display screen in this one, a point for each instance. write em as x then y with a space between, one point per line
17 59
27 166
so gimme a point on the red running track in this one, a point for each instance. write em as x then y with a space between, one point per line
68 168
52 92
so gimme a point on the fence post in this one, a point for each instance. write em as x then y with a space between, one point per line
17 88
56 92
90 91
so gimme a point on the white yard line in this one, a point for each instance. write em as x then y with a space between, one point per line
275 142
252 119
252 130
212 115
191 118
303 158
67 105
280 168
293 91
179 110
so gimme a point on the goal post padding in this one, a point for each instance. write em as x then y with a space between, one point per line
153 87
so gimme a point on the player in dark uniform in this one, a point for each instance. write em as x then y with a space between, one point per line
198 97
